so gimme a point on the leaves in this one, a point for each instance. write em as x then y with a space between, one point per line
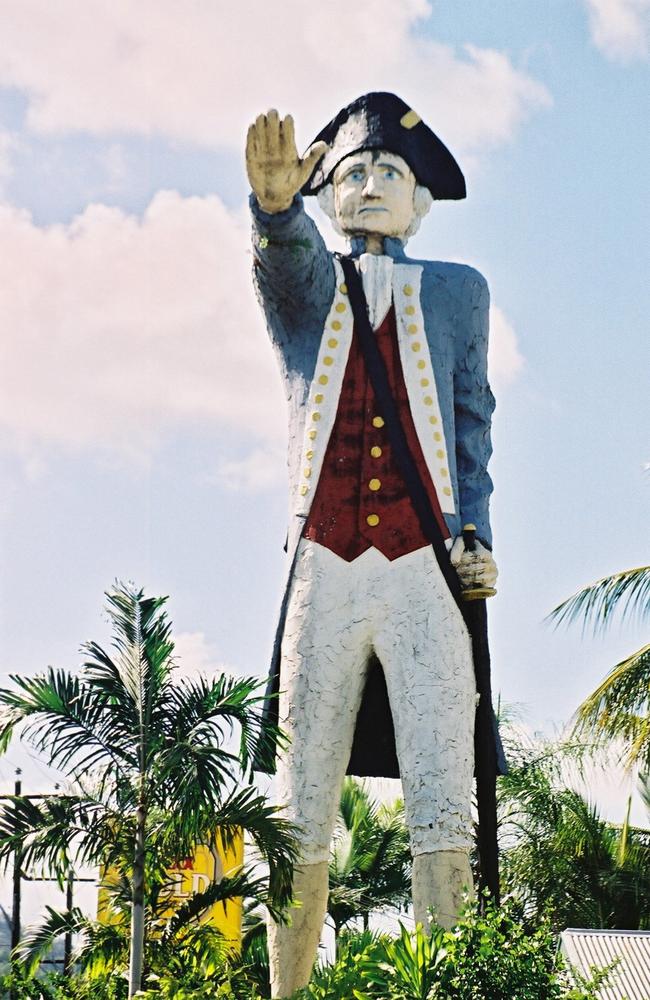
597 602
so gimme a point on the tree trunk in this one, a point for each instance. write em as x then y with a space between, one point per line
137 906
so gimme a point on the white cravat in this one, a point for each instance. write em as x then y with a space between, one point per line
377 278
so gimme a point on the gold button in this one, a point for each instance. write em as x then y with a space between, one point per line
340 307
428 400
306 473
336 324
315 416
312 435
440 453
424 382
437 436
412 328
408 290
332 342
409 310
323 379
372 520
309 455
416 346
433 420
318 398
422 363
343 289
447 491
303 489
327 360
375 451
443 472
374 485
377 421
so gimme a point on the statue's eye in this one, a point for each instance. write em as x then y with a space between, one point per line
390 175
357 175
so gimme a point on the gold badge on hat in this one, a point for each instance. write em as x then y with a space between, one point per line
410 119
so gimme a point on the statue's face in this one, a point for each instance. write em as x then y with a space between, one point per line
373 193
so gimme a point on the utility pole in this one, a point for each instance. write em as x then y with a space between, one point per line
67 944
15 909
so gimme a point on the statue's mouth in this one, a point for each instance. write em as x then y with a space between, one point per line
372 208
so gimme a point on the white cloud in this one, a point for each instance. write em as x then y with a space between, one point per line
8 146
115 329
195 655
620 28
200 71
258 471
505 360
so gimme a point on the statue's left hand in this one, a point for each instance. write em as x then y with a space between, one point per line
476 568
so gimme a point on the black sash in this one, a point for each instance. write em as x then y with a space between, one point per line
488 754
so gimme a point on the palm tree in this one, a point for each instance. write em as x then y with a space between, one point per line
370 861
558 856
150 774
619 708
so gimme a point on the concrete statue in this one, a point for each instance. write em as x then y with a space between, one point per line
384 365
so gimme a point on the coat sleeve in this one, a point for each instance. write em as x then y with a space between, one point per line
293 270
473 406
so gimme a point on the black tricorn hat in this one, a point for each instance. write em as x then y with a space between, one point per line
385 121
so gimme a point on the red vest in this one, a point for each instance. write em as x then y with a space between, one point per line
361 499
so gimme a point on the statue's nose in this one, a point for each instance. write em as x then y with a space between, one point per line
371 188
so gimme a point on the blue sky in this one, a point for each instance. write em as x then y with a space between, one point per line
141 419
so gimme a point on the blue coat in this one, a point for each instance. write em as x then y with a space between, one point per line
441 311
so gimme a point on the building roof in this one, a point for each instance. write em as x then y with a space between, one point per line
630 980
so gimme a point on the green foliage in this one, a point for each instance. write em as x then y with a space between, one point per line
488 955
149 763
558 856
619 708
370 860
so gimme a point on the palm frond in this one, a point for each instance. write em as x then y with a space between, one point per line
596 603
38 939
620 706
66 720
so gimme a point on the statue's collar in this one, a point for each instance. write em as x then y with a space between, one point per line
392 247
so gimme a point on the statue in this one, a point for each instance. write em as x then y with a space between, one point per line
384 365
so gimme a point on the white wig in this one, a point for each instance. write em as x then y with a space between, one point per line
422 202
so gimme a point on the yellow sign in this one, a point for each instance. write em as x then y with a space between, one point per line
207 865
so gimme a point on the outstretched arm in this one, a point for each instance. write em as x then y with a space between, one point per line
294 274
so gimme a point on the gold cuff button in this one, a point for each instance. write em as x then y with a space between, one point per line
443 472
343 289
437 436
332 342
318 398
428 400
323 379
433 420
412 328
336 324
315 416
410 310
340 307
303 489
408 290
327 360
422 363
374 485
440 453
312 435
306 473
372 520
424 382
416 346
447 491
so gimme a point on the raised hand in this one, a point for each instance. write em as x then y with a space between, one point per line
275 171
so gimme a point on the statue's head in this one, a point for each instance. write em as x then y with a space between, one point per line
383 168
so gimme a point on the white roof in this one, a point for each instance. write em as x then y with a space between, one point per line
630 980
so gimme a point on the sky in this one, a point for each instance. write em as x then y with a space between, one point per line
142 424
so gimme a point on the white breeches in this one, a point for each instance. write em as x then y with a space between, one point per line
339 613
